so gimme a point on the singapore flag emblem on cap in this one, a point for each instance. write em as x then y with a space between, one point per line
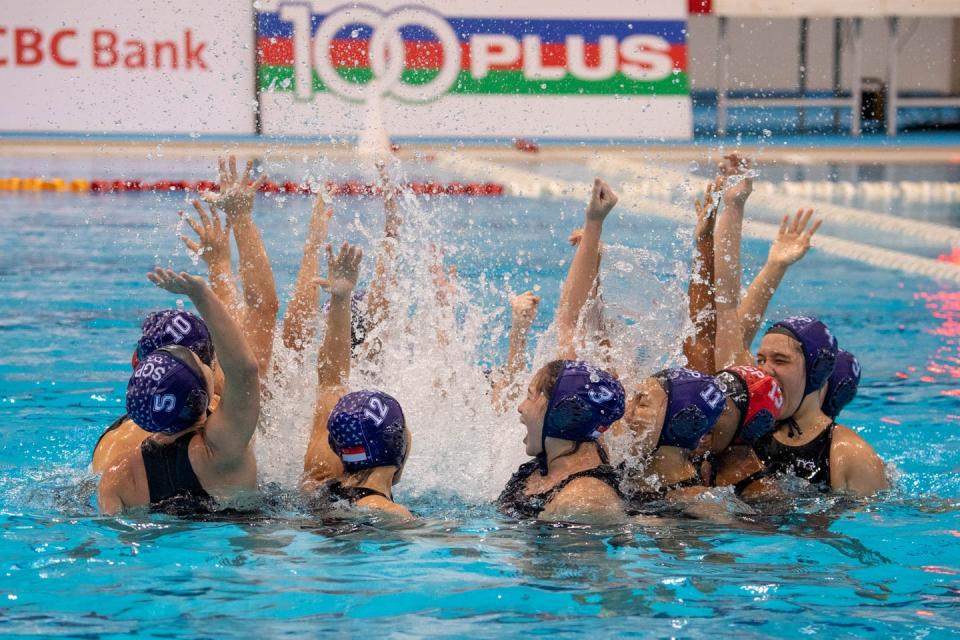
354 454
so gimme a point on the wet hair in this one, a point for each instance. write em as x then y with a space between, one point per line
548 375
793 341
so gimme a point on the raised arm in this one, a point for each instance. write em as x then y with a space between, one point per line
320 463
333 362
384 274
523 311
700 348
583 269
730 349
300 320
230 427
792 243
259 290
213 246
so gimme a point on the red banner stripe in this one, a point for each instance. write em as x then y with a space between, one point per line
429 55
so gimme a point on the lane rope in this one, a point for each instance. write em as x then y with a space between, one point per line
637 198
345 188
771 196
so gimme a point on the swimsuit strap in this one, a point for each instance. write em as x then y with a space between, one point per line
340 492
173 484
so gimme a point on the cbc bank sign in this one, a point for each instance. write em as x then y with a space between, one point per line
415 55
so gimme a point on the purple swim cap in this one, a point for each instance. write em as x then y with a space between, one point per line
843 383
584 403
176 327
818 345
694 403
358 317
367 429
167 392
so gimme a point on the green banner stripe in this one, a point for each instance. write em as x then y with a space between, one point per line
278 79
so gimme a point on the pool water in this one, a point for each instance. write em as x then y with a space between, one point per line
72 293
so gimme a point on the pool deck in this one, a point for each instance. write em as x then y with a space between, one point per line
930 147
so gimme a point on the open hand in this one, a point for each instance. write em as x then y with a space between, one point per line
342 270
793 239
214 239
707 210
174 282
602 200
524 309
738 172
236 192
319 222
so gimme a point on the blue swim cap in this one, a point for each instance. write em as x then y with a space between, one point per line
358 317
367 429
167 392
818 345
694 403
177 327
584 403
843 383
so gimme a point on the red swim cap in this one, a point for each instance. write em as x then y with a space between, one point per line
764 399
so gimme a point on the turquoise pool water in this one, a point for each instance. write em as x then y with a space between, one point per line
72 292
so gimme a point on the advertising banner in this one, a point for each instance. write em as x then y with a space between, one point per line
128 67
606 69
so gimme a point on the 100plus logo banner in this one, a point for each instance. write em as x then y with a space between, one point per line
453 69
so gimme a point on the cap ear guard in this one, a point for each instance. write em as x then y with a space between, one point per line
818 372
843 384
685 428
761 424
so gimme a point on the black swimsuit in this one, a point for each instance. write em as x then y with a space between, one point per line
174 487
810 461
338 492
514 502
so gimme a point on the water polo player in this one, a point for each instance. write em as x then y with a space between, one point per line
159 329
801 354
359 441
194 461
367 431
568 404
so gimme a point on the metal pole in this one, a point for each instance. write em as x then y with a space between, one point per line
856 88
837 66
722 79
893 55
802 72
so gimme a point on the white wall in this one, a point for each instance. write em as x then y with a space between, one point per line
764 53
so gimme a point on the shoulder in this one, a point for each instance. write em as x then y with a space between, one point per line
584 500
856 466
848 442
123 484
378 503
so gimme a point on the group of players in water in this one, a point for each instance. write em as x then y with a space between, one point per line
727 419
